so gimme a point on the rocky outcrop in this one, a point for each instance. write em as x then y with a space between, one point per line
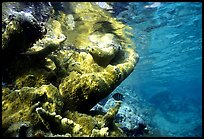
70 62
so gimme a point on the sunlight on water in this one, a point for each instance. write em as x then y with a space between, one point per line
168 37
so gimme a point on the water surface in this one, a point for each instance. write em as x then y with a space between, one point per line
168 38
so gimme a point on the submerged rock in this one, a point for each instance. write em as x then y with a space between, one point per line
104 48
20 105
70 62
78 124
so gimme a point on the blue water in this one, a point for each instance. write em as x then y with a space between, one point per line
168 38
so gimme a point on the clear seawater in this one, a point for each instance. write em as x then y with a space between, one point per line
168 76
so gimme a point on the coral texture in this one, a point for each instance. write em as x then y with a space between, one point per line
65 64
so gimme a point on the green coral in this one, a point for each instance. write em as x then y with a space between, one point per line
78 124
31 79
60 75
19 105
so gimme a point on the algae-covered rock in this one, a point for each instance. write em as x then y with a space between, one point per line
104 48
16 39
69 62
86 85
99 58
78 124
20 105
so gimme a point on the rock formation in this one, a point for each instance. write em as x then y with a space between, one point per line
68 63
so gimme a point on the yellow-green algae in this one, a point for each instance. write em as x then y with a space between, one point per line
19 105
105 50
83 56
78 124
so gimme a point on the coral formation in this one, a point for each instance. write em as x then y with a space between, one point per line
61 66
78 124
20 105
132 118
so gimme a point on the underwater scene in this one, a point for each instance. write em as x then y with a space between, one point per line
102 69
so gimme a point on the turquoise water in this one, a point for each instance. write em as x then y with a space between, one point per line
168 38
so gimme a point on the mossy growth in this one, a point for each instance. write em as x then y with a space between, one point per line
88 18
31 79
84 120
20 105
83 57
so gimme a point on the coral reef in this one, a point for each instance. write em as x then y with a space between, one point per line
16 39
55 68
78 124
132 118
20 105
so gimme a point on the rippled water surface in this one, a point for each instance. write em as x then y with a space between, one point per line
168 38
